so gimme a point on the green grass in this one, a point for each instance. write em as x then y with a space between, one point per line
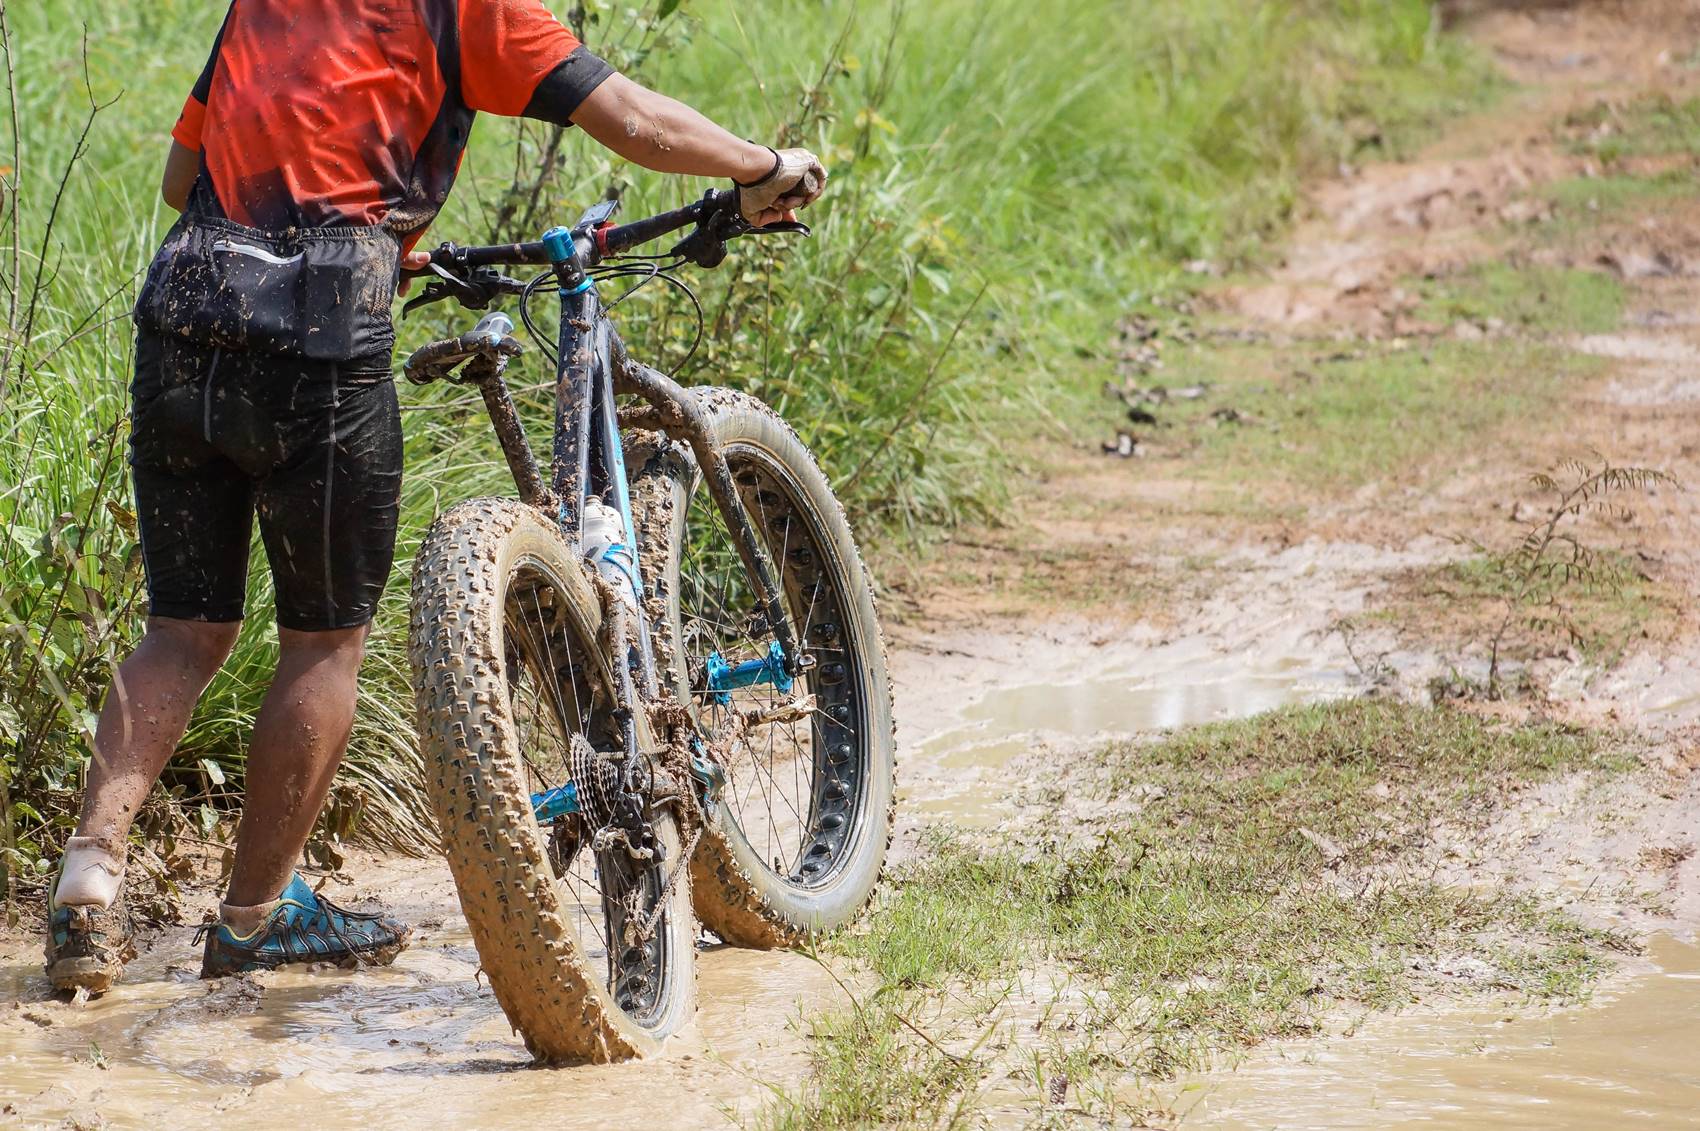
1535 300
1616 194
1656 125
1007 179
1199 923
1334 420
1461 604
1339 420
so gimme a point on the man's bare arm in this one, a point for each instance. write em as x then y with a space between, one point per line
182 165
661 133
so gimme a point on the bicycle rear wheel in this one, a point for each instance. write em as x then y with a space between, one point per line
588 945
798 840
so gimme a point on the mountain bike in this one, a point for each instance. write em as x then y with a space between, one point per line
695 725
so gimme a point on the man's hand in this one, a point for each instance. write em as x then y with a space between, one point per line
797 180
412 261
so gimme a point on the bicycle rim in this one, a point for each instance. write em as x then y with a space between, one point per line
795 788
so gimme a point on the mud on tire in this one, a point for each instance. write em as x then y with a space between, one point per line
555 994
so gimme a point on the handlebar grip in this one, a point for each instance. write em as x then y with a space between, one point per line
724 200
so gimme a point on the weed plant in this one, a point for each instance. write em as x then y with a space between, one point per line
1536 579
1007 177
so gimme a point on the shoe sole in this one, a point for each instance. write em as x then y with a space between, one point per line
85 973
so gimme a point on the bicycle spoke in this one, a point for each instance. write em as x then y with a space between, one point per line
779 809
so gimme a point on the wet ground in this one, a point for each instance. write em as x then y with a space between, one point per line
1627 1060
295 1048
285 1047
963 771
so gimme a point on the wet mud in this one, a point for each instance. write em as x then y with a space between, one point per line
1627 1060
305 1047
963 774
331 1046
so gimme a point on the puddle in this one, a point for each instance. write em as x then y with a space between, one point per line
1639 347
956 773
423 1039
1629 1059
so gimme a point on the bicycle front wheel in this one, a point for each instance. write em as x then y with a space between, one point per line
799 836
588 939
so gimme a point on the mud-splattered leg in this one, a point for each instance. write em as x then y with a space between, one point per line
298 743
144 717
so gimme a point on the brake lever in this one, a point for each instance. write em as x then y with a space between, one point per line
433 292
706 245
475 291
780 228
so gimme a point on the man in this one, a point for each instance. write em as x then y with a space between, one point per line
336 127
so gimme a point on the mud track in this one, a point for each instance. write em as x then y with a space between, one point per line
985 679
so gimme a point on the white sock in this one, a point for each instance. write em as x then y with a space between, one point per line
244 921
91 875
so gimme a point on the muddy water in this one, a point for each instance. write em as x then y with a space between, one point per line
422 1044
959 774
1631 1059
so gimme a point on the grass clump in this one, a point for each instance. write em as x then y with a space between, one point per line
1189 898
1616 193
1006 179
1656 125
1552 589
1346 419
1596 617
1547 300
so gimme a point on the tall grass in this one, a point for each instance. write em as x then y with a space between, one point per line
1007 176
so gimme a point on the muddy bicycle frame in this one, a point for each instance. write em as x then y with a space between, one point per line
592 368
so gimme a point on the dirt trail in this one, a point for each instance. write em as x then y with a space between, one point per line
985 679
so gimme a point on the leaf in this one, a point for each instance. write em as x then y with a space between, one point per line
126 519
214 773
666 8
868 116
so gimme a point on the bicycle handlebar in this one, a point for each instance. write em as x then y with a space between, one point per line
598 243
471 275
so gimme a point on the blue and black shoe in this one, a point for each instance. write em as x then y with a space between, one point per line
87 946
303 927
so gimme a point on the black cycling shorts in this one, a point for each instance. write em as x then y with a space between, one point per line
313 446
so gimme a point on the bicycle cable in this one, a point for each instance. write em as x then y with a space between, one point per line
645 268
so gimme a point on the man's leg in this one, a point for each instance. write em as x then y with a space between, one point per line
144 716
328 511
298 743
143 719
271 916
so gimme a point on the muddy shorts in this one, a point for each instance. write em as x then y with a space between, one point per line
314 447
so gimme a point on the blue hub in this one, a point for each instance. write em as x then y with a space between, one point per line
557 802
723 678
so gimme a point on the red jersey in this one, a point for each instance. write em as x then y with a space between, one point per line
313 113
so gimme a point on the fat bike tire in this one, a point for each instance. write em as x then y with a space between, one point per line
478 562
751 888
